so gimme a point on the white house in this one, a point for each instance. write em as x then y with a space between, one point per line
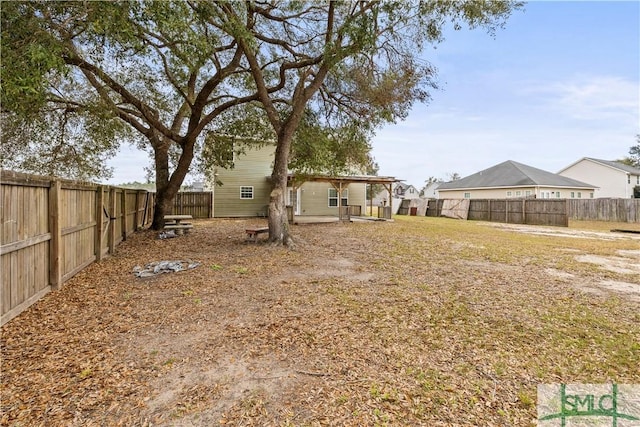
430 190
613 179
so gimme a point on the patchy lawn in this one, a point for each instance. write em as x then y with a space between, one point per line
424 321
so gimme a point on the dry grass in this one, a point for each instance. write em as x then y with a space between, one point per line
425 321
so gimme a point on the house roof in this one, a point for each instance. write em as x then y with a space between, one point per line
611 163
512 174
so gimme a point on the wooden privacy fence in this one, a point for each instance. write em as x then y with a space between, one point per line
618 210
520 211
198 204
512 211
52 229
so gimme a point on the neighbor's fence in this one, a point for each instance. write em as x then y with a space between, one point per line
52 229
198 204
617 210
520 211
512 211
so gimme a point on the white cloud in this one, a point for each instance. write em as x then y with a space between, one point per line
591 98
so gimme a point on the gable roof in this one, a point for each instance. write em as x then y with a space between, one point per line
611 163
512 174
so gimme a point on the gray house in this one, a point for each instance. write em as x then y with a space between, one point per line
512 179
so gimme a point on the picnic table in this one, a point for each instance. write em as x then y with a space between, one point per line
176 222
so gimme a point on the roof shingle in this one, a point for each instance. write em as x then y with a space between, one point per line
512 174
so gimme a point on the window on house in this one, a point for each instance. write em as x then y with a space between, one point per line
246 192
518 193
509 193
628 179
573 195
579 195
527 193
333 197
557 194
591 195
467 195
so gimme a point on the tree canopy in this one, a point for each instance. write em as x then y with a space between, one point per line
320 77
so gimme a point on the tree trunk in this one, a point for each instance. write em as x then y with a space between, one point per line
278 218
168 185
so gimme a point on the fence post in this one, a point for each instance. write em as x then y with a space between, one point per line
99 222
124 214
489 206
56 236
566 211
506 211
136 215
112 220
524 210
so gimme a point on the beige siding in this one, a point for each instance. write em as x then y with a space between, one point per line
314 198
502 193
252 169
611 182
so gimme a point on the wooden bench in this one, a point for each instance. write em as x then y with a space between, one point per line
252 233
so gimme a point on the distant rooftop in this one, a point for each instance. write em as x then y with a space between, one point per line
512 174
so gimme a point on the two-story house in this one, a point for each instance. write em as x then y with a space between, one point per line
243 190
613 179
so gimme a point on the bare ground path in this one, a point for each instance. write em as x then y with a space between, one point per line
424 321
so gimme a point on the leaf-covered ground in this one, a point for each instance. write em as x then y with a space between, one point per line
423 321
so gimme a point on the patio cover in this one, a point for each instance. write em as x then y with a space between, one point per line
340 182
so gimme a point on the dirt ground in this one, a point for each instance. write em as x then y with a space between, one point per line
422 321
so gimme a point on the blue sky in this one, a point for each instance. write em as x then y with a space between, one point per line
560 82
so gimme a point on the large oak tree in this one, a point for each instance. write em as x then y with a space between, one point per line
358 60
159 67
171 71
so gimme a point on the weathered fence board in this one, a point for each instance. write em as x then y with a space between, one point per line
616 210
434 207
513 211
195 203
547 211
52 229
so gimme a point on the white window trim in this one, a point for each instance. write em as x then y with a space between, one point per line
244 187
